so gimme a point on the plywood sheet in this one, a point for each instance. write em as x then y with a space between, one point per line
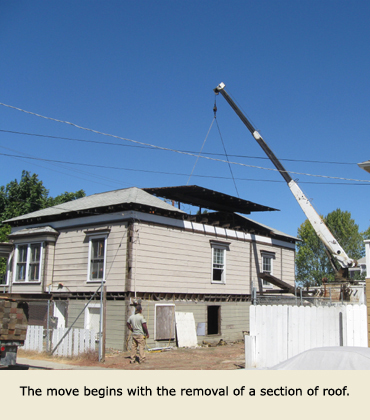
185 329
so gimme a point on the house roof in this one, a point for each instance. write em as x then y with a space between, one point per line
96 204
272 231
365 165
208 199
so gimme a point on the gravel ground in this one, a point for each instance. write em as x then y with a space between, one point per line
222 357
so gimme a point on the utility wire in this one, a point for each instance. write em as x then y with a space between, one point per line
178 151
177 174
62 166
185 151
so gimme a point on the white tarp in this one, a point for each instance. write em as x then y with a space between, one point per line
329 358
185 329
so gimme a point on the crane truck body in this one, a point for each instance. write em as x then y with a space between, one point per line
336 252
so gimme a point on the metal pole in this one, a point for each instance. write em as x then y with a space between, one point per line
48 325
101 322
104 322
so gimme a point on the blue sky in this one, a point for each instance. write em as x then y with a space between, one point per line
145 71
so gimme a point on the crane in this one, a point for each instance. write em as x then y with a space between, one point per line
335 251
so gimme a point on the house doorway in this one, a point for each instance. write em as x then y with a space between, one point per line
213 320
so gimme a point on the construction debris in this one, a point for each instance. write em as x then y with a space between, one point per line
13 320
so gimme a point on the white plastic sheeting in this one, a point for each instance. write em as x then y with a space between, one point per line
283 331
329 358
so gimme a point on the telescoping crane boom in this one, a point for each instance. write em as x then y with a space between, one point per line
335 250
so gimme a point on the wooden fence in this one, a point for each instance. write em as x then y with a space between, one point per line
77 341
280 332
34 338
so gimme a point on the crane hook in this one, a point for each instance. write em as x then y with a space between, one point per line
214 109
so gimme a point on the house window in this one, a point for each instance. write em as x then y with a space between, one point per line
218 265
34 269
219 261
28 266
267 265
97 258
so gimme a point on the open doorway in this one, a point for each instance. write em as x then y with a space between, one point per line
213 320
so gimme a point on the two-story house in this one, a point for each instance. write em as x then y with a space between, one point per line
143 247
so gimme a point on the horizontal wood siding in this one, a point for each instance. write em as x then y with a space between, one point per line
116 325
71 259
164 260
167 260
288 274
74 310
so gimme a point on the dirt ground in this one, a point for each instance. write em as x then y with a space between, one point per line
221 357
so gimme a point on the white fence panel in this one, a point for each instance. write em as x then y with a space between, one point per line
280 332
77 341
34 338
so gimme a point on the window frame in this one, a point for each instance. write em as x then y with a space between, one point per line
270 256
27 262
220 246
93 238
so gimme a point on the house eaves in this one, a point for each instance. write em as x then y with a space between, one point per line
365 166
107 202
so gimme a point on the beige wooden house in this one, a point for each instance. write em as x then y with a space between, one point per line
143 247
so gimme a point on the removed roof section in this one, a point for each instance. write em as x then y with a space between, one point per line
207 199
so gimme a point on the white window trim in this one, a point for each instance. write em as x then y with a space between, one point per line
9 269
224 246
271 256
91 238
15 263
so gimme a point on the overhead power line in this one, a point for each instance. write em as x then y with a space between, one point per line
179 151
185 151
367 183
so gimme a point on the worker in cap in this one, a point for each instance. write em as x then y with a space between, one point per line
137 325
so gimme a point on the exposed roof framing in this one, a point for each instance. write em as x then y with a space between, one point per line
207 199
241 223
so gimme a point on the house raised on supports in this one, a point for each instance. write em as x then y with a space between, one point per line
141 245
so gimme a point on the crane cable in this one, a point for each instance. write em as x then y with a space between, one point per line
227 157
223 145
204 142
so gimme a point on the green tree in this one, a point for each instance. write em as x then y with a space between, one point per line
26 196
312 261
366 234
63 198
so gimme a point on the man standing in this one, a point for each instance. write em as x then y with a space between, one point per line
137 325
